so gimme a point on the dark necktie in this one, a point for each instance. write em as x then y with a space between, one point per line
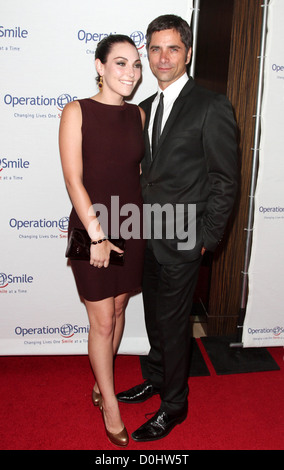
157 124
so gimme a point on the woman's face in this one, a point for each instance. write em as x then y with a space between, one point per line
122 70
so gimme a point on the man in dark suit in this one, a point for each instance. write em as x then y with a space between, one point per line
192 165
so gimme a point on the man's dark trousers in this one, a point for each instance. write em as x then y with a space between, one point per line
167 295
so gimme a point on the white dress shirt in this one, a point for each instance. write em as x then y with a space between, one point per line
170 95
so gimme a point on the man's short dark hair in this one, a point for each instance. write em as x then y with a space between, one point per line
170 22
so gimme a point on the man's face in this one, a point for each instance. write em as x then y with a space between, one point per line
167 56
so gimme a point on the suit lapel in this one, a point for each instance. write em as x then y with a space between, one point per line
146 127
171 119
147 110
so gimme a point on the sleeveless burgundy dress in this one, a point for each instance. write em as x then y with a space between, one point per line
112 148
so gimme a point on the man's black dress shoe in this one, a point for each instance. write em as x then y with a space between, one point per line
137 394
158 427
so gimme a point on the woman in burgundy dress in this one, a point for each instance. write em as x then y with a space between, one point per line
101 146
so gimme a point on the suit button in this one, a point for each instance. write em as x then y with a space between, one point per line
150 184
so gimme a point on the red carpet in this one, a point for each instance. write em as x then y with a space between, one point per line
46 405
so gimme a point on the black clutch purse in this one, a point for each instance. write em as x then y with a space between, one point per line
79 242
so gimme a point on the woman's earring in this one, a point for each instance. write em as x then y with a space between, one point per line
101 83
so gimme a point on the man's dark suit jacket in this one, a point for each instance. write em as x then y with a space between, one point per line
195 163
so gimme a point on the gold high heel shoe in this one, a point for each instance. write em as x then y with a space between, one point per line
96 398
120 439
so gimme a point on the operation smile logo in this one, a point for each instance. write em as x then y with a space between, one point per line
66 331
92 38
84 36
7 33
15 280
21 226
19 163
13 170
275 212
46 107
276 331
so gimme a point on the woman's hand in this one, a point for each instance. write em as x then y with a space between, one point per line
100 253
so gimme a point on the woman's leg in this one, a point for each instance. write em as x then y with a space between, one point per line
120 303
106 319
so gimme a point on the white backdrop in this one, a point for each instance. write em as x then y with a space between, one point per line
47 59
264 322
